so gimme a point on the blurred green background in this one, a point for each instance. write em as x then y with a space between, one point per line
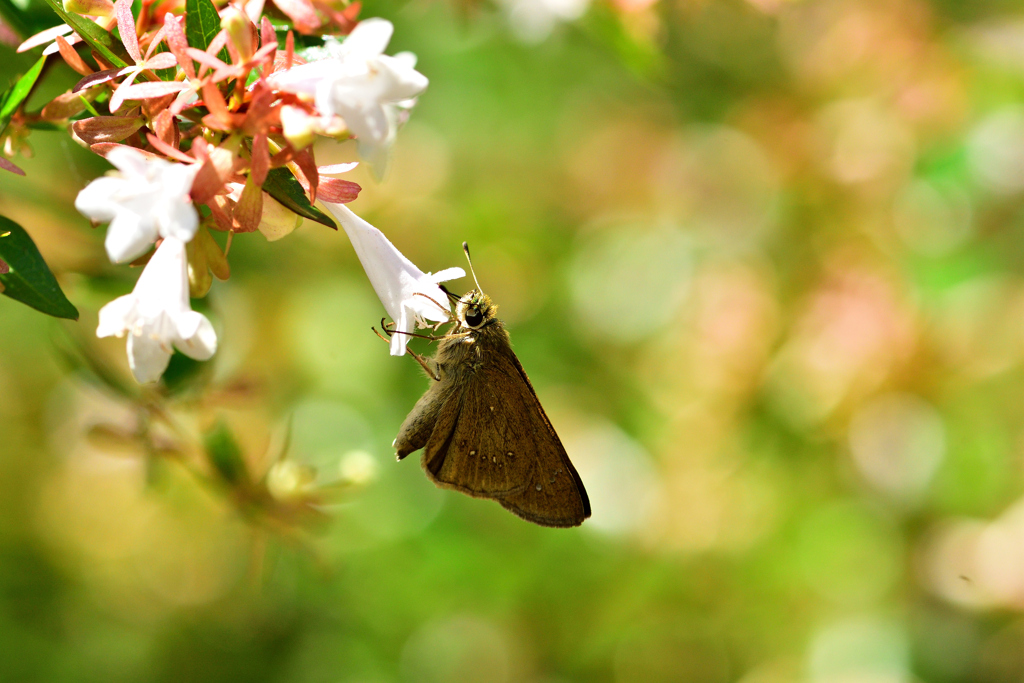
763 261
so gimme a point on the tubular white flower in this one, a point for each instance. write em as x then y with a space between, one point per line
362 85
409 295
157 315
149 198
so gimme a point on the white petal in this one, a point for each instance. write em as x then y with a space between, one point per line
181 221
196 336
404 82
304 78
377 155
333 169
163 285
148 356
428 301
447 274
44 37
406 59
127 238
117 316
398 340
369 123
383 263
177 178
404 289
96 200
128 160
369 38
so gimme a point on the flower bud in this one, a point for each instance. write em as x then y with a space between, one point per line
288 479
240 32
358 468
277 221
199 278
205 258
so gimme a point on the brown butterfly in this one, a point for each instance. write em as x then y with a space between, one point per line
482 430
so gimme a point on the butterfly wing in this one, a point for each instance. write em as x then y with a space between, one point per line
493 440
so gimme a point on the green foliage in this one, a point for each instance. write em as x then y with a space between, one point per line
29 279
18 93
202 24
184 374
225 455
282 186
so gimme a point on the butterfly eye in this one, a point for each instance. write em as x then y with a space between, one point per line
474 318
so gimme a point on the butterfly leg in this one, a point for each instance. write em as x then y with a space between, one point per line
432 372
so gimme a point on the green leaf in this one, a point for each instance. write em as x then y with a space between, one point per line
282 186
13 98
186 374
202 24
108 47
225 455
30 280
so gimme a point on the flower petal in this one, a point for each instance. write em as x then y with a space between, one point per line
126 26
338 191
128 160
150 89
163 284
447 274
337 168
10 166
383 263
301 12
405 290
196 336
161 60
98 78
95 200
405 82
44 37
147 356
369 38
180 222
303 78
117 99
128 237
398 340
117 316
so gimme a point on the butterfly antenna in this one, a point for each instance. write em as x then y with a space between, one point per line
465 248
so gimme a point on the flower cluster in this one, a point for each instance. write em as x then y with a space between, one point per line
210 127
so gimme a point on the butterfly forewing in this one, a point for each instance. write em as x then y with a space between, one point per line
494 441
479 445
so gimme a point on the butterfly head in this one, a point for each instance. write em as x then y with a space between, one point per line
475 310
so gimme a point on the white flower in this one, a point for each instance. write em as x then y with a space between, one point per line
157 315
362 85
148 199
409 295
533 20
